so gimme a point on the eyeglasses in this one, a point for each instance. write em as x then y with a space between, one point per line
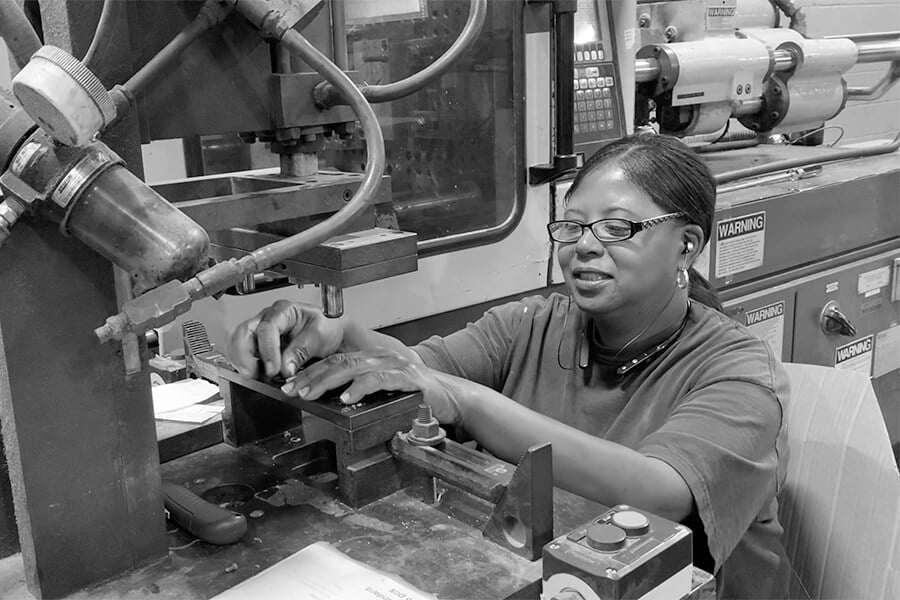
605 230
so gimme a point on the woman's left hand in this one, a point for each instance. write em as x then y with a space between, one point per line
369 371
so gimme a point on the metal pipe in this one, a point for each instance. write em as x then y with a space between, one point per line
339 34
857 38
211 13
17 32
326 96
793 163
876 91
783 60
878 51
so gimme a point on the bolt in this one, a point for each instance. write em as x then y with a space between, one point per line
426 430
774 115
670 32
644 20
754 126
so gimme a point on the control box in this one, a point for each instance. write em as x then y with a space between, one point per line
623 553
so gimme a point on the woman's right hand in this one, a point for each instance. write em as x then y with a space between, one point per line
281 338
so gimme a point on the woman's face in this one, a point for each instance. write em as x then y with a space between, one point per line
628 278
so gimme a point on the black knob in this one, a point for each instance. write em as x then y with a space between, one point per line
833 320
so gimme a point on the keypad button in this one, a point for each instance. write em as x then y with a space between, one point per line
599 54
592 81
590 105
576 85
579 95
609 124
609 114
577 129
601 125
593 127
594 55
579 56
592 72
582 106
606 93
607 103
589 94
609 82
584 84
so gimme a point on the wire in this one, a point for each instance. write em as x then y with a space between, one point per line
104 23
188 545
817 130
839 137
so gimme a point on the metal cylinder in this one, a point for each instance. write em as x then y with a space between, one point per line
333 301
877 50
646 69
124 220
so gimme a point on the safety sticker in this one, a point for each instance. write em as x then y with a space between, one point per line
887 351
872 281
720 14
740 244
856 356
767 324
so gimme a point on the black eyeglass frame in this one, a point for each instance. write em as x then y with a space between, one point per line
635 227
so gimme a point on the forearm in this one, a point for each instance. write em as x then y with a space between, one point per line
584 464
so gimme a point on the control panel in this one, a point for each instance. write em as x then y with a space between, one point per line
598 115
623 553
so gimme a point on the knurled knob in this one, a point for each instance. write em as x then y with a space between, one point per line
63 96
605 537
631 522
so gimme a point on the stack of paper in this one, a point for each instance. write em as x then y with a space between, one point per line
182 401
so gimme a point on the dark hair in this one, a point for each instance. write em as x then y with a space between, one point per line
675 179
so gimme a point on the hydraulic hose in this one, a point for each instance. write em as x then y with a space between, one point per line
108 15
164 303
793 163
327 96
17 32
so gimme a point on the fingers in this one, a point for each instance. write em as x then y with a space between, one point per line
325 375
365 372
280 319
242 348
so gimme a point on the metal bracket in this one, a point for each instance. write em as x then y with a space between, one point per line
522 519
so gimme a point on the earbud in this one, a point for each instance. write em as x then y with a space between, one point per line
688 247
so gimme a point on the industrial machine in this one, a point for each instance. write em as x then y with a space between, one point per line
417 149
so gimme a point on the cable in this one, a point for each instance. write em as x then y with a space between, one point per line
107 17
817 130
327 96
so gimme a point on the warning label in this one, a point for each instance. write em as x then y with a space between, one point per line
855 356
740 244
767 323
720 14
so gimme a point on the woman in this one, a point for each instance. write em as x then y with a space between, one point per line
648 396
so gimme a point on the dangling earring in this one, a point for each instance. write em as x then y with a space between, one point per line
682 279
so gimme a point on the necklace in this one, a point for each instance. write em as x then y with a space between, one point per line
653 351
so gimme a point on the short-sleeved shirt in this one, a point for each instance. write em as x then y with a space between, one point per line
711 405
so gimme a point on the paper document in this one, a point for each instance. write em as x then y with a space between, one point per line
322 572
196 413
175 396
